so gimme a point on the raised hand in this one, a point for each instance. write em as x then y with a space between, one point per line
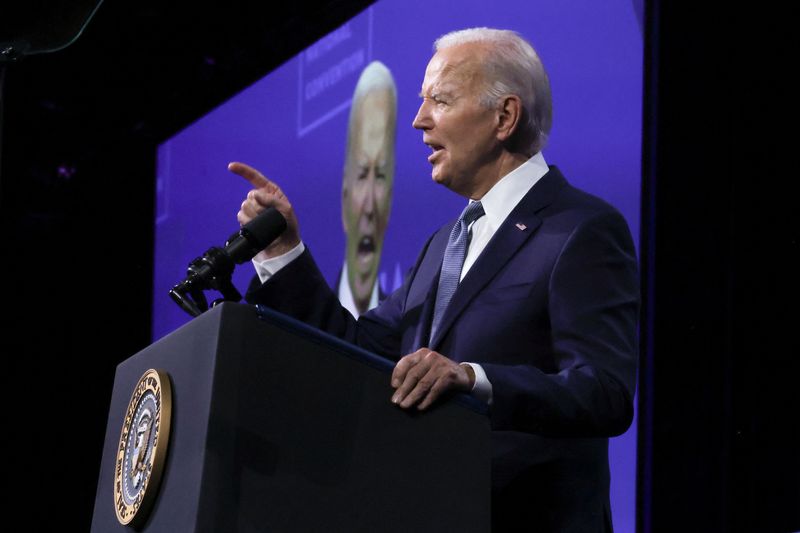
266 193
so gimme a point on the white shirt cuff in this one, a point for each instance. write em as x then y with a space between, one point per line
482 388
266 267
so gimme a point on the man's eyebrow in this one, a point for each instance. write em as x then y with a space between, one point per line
436 92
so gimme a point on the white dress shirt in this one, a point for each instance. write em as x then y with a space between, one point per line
497 203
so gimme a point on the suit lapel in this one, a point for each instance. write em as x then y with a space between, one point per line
518 227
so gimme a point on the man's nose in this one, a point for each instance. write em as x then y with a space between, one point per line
368 206
423 120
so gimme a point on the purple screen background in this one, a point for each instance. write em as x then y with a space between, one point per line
292 125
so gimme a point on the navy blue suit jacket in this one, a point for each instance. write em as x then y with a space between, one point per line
550 311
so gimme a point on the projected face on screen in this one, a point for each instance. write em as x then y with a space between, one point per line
368 178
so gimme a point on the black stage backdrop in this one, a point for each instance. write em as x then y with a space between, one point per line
719 397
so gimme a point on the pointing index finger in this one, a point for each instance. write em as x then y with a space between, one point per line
252 175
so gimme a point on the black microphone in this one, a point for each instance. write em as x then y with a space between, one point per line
214 269
255 236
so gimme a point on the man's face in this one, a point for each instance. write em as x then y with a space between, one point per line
459 130
367 190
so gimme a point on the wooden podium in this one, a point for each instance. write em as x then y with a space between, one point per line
276 426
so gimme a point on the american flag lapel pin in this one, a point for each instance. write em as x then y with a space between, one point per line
521 226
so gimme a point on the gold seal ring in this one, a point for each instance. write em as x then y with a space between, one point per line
142 448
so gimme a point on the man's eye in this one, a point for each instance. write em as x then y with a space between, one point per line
436 99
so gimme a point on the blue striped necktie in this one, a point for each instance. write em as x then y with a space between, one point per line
453 261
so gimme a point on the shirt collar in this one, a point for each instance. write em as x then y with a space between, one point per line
504 196
346 295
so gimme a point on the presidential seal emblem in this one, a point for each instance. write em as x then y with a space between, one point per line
142 448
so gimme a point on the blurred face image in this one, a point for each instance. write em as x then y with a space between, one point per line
367 188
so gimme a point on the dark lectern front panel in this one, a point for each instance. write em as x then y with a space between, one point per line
286 430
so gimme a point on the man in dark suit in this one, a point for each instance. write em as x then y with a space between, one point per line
529 300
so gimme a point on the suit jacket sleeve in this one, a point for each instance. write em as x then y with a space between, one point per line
300 290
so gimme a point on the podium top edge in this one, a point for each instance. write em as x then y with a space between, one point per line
350 350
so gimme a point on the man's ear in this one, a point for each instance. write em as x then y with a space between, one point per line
509 116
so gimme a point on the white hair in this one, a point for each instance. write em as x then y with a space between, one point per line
374 78
511 66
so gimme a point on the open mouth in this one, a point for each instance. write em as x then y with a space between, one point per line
435 148
366 246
